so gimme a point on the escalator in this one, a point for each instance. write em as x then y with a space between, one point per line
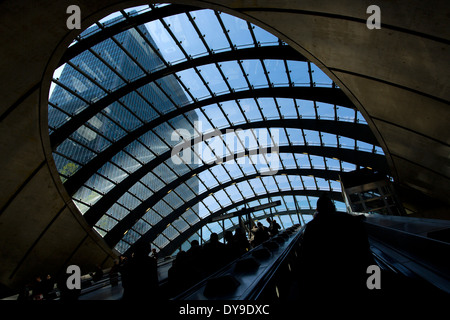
410 266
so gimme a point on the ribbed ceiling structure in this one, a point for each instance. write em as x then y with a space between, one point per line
255 121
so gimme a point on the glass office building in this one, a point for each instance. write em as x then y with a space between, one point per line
130 81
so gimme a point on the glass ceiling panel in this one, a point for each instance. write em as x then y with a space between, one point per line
233 112
288 109
234 75
251 110
185 34
213 78
269 108
122 116
237 30
325 110
165 43
345 114
209 26
263 37
157 98
298 71
320 79
255 73
215 114
306 108
275 70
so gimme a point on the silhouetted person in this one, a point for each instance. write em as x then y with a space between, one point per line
194 263
241 241
195 250
141 276
274 227
214 253
38 288
261 234
334 254
154 254
178 274
232 249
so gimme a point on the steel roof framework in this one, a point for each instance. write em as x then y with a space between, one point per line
133 223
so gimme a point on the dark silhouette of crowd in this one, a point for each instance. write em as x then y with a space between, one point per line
41 288
198 262
138 272
193 265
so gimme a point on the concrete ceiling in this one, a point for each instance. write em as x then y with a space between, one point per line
397 77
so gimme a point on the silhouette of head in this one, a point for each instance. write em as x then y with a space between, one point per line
325 205
194 243
214 237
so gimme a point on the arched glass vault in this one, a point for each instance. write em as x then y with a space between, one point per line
164 116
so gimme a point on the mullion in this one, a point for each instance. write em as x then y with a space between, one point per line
202 38
283 200
309 203
266 73
225 31
288 74
310 71
250 28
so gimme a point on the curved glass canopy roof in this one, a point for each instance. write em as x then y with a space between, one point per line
164 116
